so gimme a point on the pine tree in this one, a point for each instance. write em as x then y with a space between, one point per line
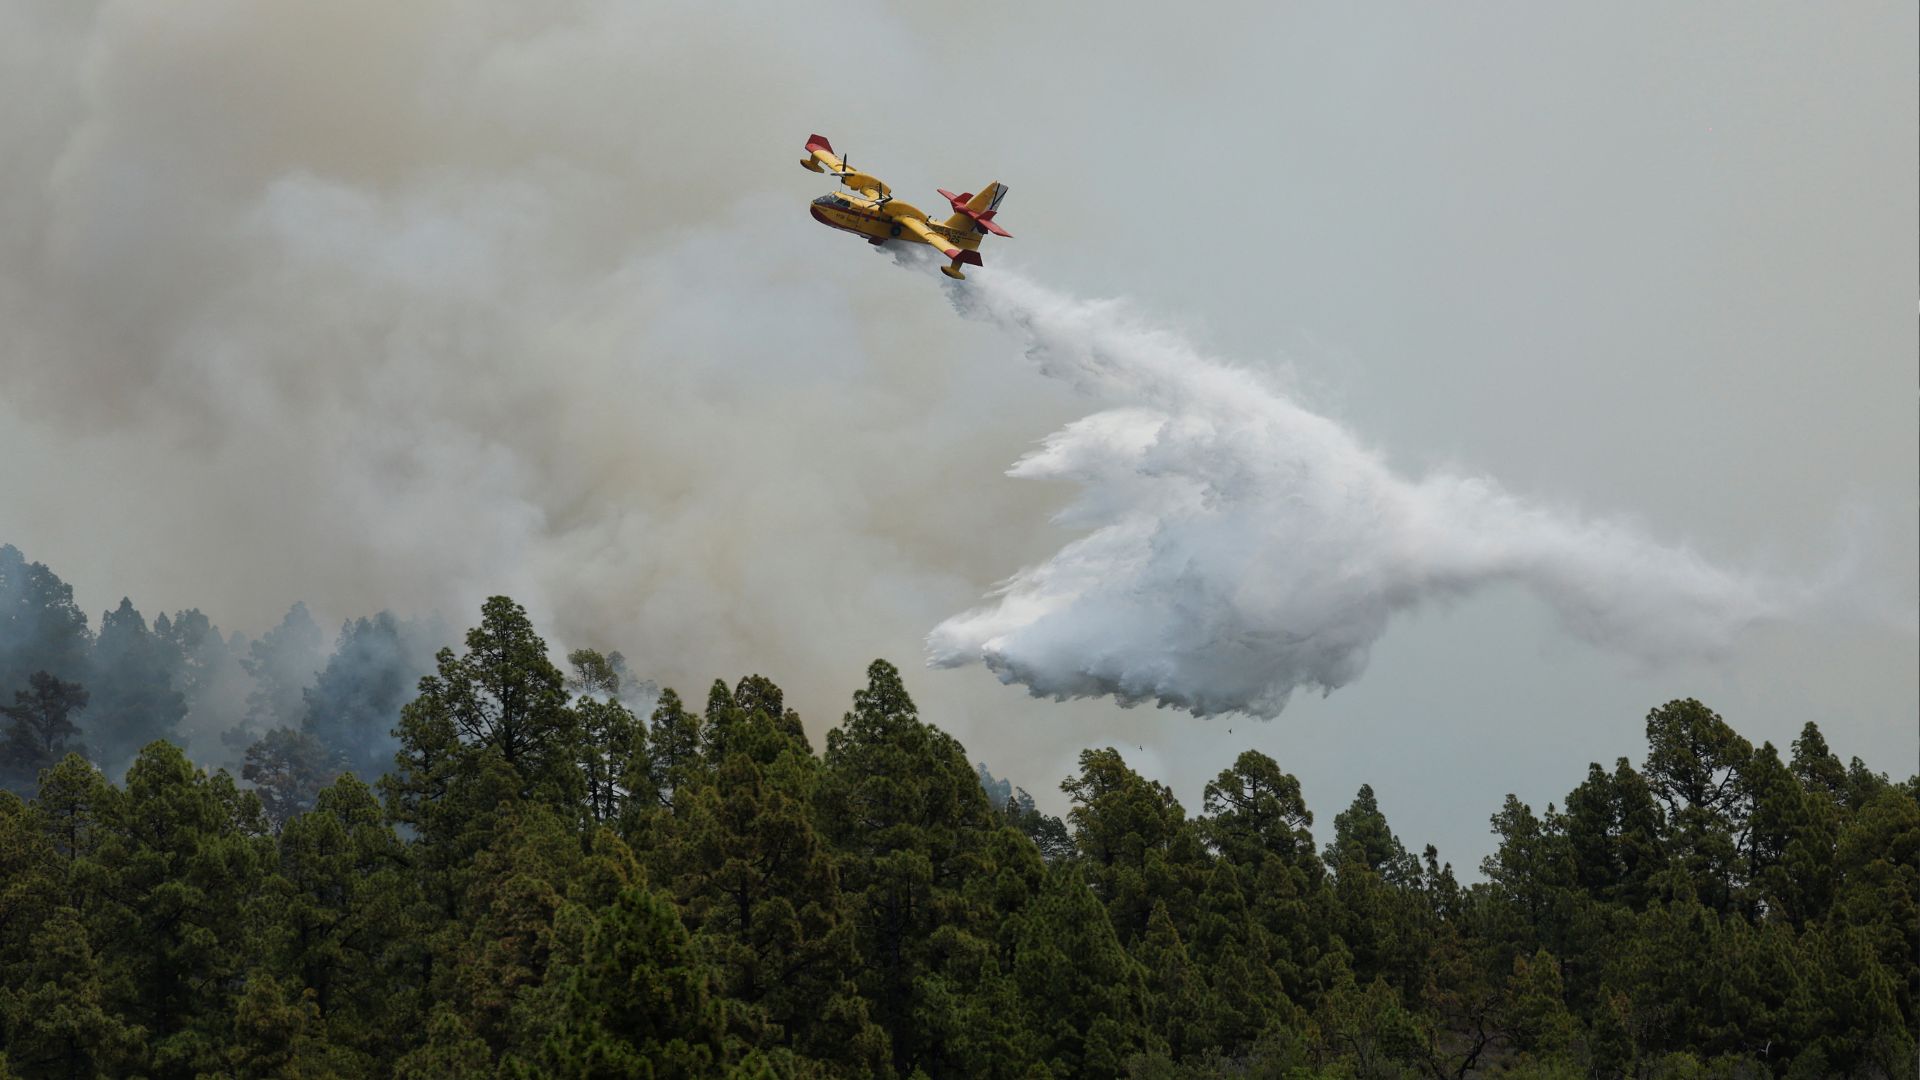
355 699
490 727
673 747
211 680
32 883
1257 820
1856 1022
1179 1004
1383 916
287 769
283 662
187 859
718 721
41 628
57 1015
341 907
1048 834
1255 813
1086 995
613 742
1371 1033
899 799
636 1001
1531 874
40 729
277 1034
1614 828
133 698
1789 843
1538 1022
1362 838
1816 767
451 1049
1694 764
763 892
1136 841
1235 951
1877 890
498 955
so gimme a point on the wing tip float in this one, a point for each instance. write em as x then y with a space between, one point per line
816 144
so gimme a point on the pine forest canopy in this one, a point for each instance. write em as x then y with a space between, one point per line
476 863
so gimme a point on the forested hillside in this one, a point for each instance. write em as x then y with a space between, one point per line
541 881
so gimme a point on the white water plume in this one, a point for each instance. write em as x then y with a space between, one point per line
1238 546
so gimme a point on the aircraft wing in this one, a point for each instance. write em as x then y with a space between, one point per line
918 227
820 156
865 183
821 159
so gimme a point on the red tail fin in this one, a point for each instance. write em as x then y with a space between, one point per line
977 210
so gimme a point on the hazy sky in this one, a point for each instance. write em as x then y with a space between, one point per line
381 305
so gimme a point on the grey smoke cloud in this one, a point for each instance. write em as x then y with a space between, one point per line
390 309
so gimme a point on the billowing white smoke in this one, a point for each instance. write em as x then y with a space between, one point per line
1239 546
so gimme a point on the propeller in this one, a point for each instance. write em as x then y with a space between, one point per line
846 169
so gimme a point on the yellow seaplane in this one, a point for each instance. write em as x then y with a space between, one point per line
867 208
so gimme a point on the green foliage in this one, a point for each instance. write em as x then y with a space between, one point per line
899 801
1694 767
673 748
57 1012
339 915
287 769
762 891
635 1000
39 729
448 1048
1531 873
355 698
613 743
133 700
1255 813
1614 829
1362 840
549 887
491 729
1135 840
41 628
187 857
1087 994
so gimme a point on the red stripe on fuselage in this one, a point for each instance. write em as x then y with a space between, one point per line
821 217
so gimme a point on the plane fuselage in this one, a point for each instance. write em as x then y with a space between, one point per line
857 215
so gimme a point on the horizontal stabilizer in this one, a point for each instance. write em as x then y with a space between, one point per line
976 210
